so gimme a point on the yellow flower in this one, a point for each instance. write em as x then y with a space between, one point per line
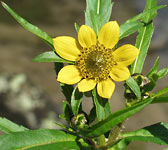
96 60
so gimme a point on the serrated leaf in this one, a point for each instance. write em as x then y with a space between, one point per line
50 56
144 37
154 69
34 29
134 87
41 140
97 13
114 119
76 100
129 28
8 126
103 109
157 133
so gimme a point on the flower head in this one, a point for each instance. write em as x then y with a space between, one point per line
97 62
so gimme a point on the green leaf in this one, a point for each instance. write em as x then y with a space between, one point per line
42 139
161 92
114 119
154 69
127 29
35 30
50 56
97 13
103 109
76 100
144 37
134 87
157 133
77 27
160 99
8 126
145 13
67 112
162 73
120 145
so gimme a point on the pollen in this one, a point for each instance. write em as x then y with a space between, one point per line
95 62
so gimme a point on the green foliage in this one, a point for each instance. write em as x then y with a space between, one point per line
132 25
97 13
129 28
134 87
91 129
41 140
157 133
76 100
103 109
144 37
114 119
8 126
35 30
50 56
77 27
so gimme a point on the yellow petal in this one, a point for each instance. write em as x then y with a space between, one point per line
67 47
119 73
125 55
86 36
86 85
109 34
69 75
105 88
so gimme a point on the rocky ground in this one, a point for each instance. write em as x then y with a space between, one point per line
37 103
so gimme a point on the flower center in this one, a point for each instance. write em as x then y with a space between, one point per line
95 62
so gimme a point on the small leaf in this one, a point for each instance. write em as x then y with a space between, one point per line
67 112
50 56
77 27
114 119
35 30
162 73
8 126
120 145
134 87
97 13
144 37
129 28
92 115
145 13
76 100
42 139
154 69
103 109
157 133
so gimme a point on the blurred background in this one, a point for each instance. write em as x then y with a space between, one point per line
29 93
